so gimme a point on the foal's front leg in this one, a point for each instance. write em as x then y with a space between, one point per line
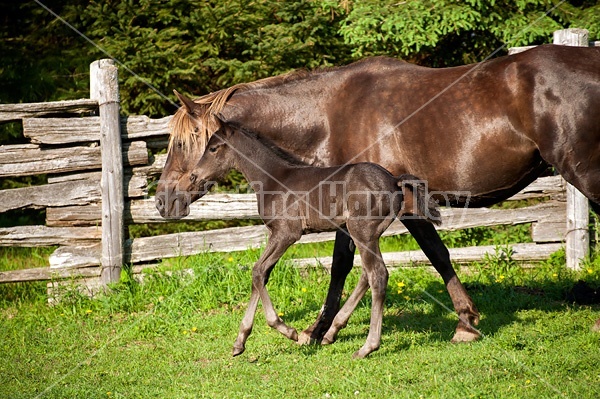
276 247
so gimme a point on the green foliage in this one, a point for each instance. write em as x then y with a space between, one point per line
41 58
202 46
451 32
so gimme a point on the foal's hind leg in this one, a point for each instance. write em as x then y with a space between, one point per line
378 279
374 275
343 259
276 247
430 242
341 318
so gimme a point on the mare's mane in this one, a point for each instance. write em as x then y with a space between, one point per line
182 125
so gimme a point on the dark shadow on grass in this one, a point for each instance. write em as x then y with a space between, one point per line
424 320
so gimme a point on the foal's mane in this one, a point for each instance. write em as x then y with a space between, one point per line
272 147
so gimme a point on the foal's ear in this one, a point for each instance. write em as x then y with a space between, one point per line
226 130
187 102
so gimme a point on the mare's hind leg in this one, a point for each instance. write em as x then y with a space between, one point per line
276 247
437 253
343 259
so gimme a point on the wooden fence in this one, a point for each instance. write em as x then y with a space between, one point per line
90 186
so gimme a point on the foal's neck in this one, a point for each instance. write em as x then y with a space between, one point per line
257 162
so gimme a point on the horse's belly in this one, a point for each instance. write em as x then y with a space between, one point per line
482 164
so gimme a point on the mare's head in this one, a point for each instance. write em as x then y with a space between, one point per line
191 127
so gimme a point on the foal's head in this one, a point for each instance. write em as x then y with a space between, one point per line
217 160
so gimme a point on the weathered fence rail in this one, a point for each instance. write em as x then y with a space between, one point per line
67 145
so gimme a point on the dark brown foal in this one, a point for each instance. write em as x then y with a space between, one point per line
294 199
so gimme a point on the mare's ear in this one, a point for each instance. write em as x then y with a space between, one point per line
187 102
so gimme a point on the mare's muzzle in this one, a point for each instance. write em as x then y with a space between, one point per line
175 204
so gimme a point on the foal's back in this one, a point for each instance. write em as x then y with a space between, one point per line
324 199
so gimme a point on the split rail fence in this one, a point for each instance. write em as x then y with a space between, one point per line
99 170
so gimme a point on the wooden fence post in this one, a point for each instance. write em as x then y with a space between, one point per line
578 214
104 88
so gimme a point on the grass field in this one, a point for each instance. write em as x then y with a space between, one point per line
171 337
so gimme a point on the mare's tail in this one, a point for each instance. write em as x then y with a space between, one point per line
416 201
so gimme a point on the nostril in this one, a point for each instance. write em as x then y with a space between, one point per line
193 177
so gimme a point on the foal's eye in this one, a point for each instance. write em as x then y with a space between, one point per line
212 149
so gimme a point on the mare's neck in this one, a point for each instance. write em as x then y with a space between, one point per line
283 113
256 161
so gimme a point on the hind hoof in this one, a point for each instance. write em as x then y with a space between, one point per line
464 335
238 350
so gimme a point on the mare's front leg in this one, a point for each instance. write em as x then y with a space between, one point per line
343 260
433 247
276 247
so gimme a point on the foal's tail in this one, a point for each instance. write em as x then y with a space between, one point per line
416 201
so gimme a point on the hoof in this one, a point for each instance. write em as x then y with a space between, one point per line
464 335
327 340
238 350
305 339
363 352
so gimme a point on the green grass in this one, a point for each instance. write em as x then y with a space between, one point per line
171 337
14 258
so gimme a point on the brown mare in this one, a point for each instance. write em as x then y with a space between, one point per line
486 129
294 199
